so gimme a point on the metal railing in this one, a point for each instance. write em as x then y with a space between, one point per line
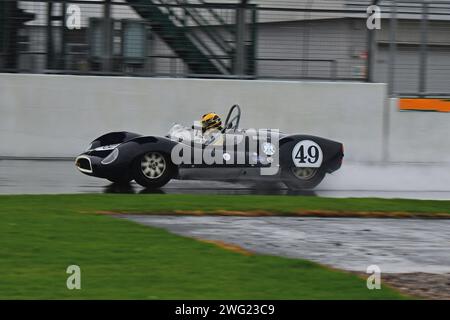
411 51
304 39
182 38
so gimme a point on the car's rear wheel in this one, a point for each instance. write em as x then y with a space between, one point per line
152 170
298 178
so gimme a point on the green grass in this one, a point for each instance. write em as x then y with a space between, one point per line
41 235
159 203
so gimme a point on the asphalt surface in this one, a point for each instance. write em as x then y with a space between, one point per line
394 245
393 180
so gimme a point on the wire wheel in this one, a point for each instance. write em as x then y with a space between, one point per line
153 165
304 173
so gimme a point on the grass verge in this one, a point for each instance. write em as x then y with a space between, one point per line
229 204
42 235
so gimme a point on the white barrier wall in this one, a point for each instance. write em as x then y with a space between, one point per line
57 116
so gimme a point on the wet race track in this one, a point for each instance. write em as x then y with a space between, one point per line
416 181
394 245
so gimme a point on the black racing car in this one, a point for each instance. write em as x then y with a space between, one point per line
232 154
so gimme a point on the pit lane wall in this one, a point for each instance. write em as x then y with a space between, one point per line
58 115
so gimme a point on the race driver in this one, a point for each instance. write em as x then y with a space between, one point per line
212 128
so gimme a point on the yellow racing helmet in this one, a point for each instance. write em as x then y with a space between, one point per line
211 120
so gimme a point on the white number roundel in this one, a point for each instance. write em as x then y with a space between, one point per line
307 154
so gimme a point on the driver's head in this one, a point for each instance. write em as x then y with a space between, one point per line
211 120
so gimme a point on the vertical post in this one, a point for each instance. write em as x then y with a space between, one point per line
391 81
370 50
63 35
107 59
239 66
9 33
306 39
3 33
423 50
49 35
369 66
254 36
392 47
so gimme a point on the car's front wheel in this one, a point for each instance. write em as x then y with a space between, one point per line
297 178
152 170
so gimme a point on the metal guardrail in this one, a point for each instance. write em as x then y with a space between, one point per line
177 69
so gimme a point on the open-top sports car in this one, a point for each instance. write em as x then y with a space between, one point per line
230 154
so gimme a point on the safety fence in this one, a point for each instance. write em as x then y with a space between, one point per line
180 38
254 39
411 50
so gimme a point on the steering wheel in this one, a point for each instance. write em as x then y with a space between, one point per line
232 122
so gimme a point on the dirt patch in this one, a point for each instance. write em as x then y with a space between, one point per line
423 285
370 214
419 284
106 212
228 246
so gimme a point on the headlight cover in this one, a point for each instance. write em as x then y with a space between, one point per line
111 157
106 148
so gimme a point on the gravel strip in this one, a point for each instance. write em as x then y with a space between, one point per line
422 285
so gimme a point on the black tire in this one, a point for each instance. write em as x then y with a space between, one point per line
145 170
308 179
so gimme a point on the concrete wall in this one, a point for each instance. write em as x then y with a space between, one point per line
57 116
54 116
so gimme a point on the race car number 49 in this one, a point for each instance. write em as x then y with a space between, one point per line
307 154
